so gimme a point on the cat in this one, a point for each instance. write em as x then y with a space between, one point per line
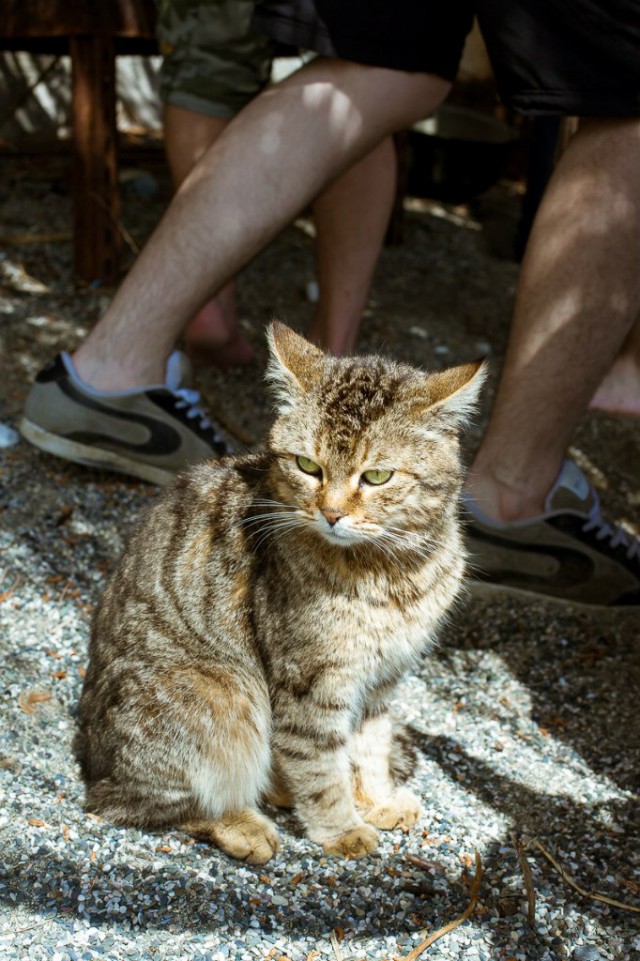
251 639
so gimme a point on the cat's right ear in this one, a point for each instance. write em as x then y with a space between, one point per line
295 366
453 394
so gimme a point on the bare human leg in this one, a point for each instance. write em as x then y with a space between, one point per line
351 219
273 159
578 297
213 335
619 392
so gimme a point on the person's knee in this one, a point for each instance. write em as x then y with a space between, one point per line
622 129
393 99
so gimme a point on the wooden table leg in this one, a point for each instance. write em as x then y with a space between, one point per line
95 185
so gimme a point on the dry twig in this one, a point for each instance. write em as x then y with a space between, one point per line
574 884
10 590
521 851
19 239
336 946
32 927
133 246
29 701
466 914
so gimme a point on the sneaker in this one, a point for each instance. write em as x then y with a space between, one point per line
569 553
152 433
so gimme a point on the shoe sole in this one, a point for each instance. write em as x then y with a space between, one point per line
92 456
486 590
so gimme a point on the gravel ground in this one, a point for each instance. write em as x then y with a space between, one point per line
525 717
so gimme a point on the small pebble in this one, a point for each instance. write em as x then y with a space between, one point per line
8 436
312 291
586 952
79 888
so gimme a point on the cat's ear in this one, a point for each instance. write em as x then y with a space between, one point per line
295 365
453 394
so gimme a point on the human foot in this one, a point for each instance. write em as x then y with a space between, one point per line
237 352
213 339
568 552
619 392
151 432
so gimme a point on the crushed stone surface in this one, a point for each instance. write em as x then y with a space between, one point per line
525 716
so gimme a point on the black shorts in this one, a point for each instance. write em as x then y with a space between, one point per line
563 57
413 35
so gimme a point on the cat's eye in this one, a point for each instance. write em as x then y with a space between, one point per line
308 466
377 477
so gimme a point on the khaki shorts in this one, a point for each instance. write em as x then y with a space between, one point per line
213 64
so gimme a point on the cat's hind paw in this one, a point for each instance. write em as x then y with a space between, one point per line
246 835
400 811
355 843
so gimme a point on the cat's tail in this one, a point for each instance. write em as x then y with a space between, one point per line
404 753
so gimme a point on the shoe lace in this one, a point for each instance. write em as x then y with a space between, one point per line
616 535
189 400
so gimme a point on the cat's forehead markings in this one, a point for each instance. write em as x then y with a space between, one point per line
355 398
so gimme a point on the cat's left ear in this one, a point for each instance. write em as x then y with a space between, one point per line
454 393
295 365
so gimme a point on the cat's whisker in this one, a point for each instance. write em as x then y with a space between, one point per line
272 534
263 502
389 552
232 663
275 522
278 527
398 564
386 534
269 507
404 533
266 502
427 542
377 540
398 544
278 522
257 518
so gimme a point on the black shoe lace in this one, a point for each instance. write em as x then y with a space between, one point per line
189 402
616 535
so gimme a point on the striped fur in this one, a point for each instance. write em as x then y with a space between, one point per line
252 637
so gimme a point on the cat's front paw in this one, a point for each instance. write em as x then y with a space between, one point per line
247 836
355 843
400 811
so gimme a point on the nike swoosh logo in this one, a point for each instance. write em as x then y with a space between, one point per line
572 568
163 439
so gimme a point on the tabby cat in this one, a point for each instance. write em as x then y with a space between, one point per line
250 641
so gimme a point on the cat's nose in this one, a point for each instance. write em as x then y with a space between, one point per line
332 514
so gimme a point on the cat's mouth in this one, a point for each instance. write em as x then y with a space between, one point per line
340 532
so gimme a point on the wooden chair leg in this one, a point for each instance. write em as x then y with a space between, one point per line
95 185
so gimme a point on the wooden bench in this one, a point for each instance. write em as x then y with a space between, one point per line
93 33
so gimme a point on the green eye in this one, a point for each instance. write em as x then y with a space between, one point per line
377 477
308 466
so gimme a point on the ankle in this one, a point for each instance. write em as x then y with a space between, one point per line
505 502
619 391
335 340
113 377
215 324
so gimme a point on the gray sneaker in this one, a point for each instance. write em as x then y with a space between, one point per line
152 433
569 553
